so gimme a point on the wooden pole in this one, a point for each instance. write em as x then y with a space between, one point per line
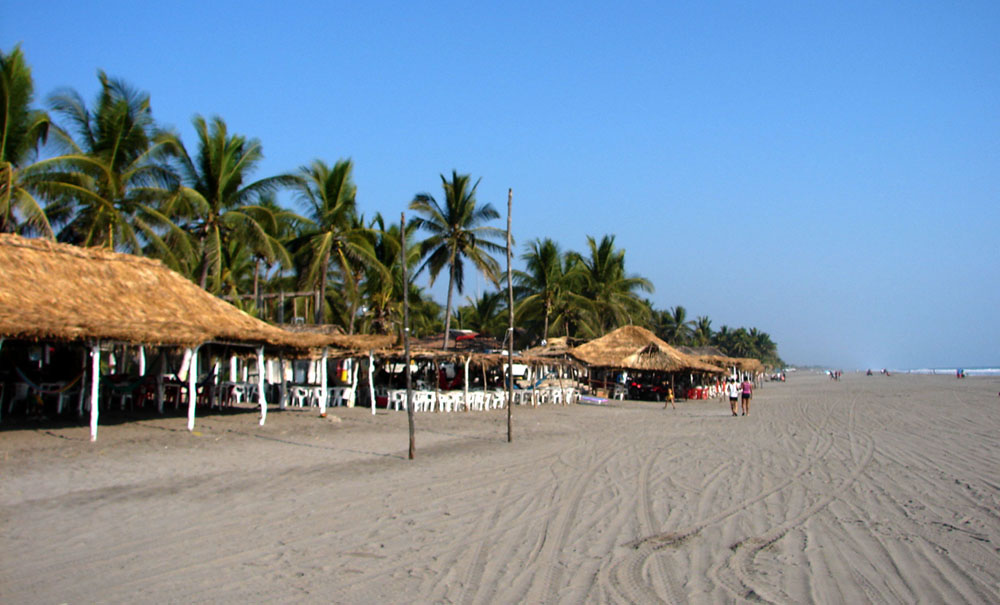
324 393
465 400
510 329
95 387
261 384
437 386
406 333
192 386
371 379
159 381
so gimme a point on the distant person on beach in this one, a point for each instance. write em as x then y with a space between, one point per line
669 398
733 390
747 394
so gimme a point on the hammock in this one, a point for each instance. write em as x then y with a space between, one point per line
42 391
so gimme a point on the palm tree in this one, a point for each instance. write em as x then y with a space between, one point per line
702 331
109 186
22 130
678 329
486 314
457 232
741 344
547 283
337 234
425 313
281 225
764 348
384 297
612 291
215 202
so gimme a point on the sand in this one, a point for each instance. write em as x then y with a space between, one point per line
871 489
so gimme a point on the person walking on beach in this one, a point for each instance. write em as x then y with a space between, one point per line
747 394
733 391
669 399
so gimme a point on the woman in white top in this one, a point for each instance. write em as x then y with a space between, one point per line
733 390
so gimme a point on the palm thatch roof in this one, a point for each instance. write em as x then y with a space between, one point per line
554 347
714 356
347 345
59 292
636 348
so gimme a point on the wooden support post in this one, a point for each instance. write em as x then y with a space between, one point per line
261 385
324 393
510 315
95 387
353 397
213 396
468 358
437 384
282 389
371 379
192 385
159 381
406 334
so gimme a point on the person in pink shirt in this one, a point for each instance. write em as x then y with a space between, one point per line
747 389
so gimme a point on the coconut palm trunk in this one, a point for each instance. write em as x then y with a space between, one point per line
447 313
321 291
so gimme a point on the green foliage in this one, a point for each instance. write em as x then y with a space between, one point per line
457 231
216 205
108 187
22 130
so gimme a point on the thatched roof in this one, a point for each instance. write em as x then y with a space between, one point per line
461 341
714 356
636 348
59 292
347 345
701 351
554 347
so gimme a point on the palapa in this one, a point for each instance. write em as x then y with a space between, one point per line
64 293
636 348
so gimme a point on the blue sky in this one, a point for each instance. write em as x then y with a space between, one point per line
825 172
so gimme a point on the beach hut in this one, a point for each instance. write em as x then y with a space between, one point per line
95 298
633 348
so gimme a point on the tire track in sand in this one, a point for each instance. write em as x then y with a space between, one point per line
746 550
666 539
625 578
545 589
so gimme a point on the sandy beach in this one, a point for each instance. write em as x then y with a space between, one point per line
867 490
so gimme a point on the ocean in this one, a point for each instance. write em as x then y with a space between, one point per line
951 371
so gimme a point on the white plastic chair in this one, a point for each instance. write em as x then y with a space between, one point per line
301 395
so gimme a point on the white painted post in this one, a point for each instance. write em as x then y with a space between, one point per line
233 369
185 365
467 360
192 380
352 398
95 387
261 384
324 393
214 398
142 360
371 379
